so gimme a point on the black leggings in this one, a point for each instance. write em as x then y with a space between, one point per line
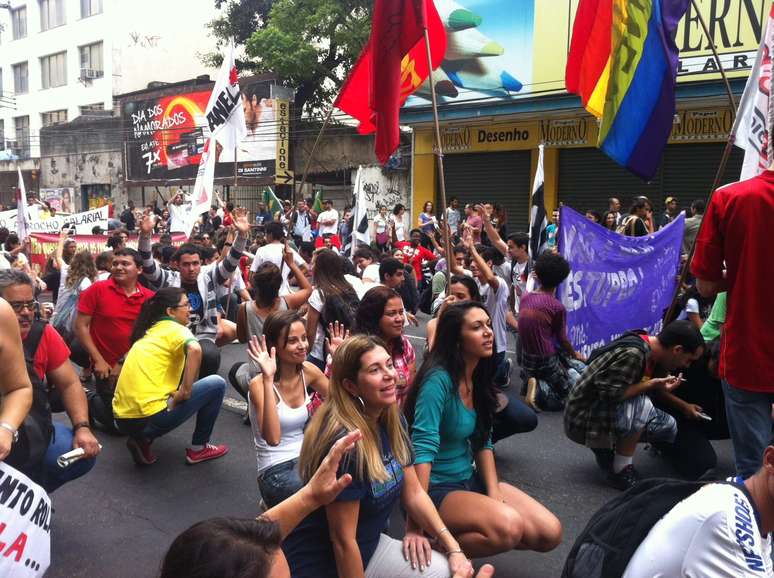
101 404
210 358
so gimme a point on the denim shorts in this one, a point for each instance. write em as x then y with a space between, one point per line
279 482
438 492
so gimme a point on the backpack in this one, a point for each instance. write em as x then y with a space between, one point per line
63 319
426 300
628 339
35 432
607 543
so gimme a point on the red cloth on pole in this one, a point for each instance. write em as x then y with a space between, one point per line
391 67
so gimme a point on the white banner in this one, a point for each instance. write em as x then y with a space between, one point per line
225 114
201 200
83 222
25 525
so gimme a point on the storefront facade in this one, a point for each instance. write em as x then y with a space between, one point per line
490 139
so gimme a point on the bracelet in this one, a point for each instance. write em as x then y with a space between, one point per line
451 553
441 531
79 425
14 431
228 244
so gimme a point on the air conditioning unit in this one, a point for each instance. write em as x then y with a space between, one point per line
90 73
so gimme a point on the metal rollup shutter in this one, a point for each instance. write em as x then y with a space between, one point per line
502 178
689 170
588 178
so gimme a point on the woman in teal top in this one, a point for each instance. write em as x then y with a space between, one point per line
451 411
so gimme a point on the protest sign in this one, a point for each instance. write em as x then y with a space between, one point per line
616 283
43 244
25 525
83 222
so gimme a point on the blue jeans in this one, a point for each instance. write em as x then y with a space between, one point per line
205 401
749 423
279 482
517 417
51 475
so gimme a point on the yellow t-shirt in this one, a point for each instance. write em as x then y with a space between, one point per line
152 371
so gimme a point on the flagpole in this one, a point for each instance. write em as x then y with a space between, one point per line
721 167
438 152
311 154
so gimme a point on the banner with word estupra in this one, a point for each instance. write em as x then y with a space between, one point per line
616 283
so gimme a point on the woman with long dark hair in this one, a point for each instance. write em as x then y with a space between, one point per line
461 288
452 411
334 299
280 404
346 538
157 390
382 315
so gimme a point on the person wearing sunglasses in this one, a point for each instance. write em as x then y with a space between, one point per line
158 389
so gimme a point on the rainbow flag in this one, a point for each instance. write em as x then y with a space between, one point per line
623 65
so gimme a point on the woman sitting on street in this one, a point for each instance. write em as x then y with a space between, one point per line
381 314
280 403
157 390
346 538
452 410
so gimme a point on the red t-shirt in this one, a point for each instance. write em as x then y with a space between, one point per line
735 231
52 352
415 256
112 316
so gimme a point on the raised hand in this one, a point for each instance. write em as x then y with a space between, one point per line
338 334
266 360
287 254
146 224
324 486
241 221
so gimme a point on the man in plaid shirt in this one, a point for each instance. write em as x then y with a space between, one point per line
610 410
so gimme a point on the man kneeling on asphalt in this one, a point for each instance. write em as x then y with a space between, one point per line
49 358
610 409
199 281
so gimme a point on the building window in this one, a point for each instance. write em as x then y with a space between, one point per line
90 8
53 70
91 61
87 108
52 14
22 127
53 117
19 22
21 83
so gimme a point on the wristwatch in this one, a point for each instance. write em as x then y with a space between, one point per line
10 428
79 425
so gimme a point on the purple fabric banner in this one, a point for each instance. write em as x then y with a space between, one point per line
616 283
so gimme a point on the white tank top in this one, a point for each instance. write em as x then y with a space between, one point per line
292 422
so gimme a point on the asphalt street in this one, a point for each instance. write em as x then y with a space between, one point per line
119 520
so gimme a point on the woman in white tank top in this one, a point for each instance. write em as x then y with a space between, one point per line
279 402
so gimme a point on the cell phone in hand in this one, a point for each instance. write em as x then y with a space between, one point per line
704 416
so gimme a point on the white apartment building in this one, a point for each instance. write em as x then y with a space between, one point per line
59 58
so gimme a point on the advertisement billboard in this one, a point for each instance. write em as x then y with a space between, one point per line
165 136
500 50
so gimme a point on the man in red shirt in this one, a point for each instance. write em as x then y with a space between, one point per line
734 236
103 327
414 253
49 357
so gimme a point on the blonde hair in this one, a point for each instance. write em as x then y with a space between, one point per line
82 267
344 412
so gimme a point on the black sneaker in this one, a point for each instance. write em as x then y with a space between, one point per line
625 479
604 458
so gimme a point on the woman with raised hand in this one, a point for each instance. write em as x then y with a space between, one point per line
158 390
452 411
381 314
279 402
346 537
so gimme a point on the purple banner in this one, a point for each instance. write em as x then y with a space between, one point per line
616 283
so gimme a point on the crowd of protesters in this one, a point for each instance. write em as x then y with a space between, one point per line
345 421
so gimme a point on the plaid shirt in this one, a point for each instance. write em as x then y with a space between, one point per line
402 363
589 417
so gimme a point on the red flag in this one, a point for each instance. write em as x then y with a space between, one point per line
391 67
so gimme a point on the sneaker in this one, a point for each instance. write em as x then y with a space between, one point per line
625 479
604 458
141 452
531 397
209 452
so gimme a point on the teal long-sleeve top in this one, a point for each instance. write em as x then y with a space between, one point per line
442 430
